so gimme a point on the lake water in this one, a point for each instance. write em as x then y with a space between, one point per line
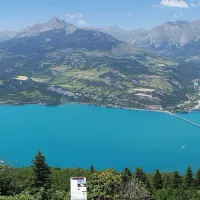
74 135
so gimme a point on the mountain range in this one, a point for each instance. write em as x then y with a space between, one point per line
57 62
172 38
53 24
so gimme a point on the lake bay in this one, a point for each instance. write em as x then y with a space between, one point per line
74 135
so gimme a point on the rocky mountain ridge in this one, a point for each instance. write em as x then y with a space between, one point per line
179 38
173 38
53 24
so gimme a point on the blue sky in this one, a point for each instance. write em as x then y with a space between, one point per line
127 14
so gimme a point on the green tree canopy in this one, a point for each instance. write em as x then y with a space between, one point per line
157 180
105 185
126 175
197 179
5 180
42 172
189 177
177 194
92 170
166 181
140 175
176 180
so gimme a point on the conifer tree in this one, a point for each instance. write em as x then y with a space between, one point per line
197 179
42 172
189 177
157 180
92 170
140 175
126 175
166 182
176 180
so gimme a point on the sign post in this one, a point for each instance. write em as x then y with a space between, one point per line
78 188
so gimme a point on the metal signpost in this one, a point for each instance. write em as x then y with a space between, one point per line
78 188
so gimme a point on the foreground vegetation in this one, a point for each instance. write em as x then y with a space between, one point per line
42 182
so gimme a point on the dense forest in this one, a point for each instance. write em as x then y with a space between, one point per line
43 182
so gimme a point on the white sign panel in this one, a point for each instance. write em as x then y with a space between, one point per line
78 188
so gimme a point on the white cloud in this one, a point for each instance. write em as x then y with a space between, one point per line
75 15
176 16
174 3
76 18
81 22
192 5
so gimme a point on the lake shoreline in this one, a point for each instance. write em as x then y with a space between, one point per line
99 105
121 108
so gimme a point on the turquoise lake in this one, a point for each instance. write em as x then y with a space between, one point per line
74 135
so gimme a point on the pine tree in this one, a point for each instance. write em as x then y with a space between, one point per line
189 177
166 181
197 180
157 180
126 175
176 180
140 175
92 170
42 172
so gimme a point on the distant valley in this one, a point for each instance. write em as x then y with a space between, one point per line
57 62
